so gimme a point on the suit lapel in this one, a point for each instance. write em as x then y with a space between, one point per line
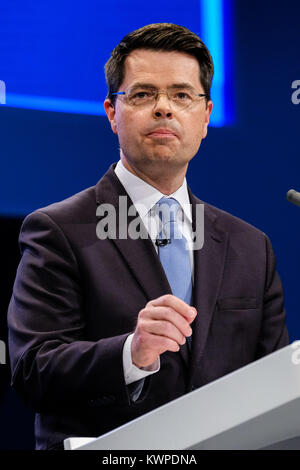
140 254
141 258
208 272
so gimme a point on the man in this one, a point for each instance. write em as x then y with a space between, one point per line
101 330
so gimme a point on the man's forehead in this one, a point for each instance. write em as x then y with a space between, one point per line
147 65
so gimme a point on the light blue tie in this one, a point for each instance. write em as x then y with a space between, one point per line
174 255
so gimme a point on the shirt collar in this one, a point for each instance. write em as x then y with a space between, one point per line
144 196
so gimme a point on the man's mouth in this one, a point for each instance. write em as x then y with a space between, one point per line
162 133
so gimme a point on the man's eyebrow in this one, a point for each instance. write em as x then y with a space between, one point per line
142 85
182 85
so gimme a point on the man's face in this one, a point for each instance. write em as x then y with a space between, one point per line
159 133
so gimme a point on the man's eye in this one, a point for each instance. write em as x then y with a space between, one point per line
141 95
182 95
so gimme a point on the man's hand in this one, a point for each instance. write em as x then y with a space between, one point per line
162 325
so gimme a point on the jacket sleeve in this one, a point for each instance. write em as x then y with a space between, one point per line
52 364
273 332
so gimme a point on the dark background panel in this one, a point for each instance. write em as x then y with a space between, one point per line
16 431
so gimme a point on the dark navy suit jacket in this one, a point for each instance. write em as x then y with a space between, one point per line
76 298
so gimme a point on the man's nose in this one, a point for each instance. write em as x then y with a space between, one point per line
162 106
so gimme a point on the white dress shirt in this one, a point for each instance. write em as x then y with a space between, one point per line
144 197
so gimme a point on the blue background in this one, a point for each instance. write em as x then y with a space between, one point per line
59 49
245 167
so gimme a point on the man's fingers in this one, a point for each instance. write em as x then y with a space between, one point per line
162 325
168 314
167 344
160 344
177 304
165 329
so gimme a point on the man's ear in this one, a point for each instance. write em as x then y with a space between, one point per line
208 111
110 112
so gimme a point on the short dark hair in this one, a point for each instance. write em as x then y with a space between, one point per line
160 37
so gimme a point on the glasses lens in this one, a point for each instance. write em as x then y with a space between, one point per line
141 97
182 98
179 98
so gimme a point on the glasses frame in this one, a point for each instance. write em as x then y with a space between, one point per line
157 92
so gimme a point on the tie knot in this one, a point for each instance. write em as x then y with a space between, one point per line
167 209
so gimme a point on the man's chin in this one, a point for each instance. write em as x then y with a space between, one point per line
162 154
167 159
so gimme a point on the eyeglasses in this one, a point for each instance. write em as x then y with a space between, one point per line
180 98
